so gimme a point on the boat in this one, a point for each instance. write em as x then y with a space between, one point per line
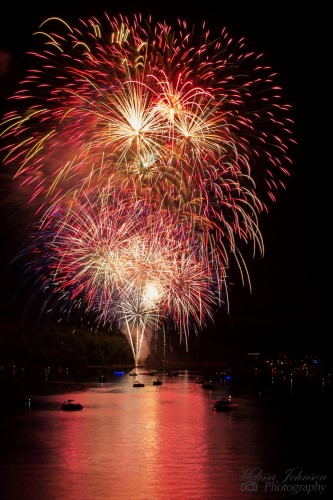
71 405
138 384
224 404
133 374
208 385
157 381
21 402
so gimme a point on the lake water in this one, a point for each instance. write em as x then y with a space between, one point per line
166 442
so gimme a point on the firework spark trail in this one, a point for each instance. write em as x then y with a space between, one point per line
191 128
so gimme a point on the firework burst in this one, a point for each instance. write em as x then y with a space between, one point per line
152 151
125 265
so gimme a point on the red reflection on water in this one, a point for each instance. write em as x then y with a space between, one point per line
150 443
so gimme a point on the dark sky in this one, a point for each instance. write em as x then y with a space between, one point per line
288 307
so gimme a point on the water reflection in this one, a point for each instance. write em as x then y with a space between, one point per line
152 443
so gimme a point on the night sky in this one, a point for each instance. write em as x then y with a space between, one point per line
288 307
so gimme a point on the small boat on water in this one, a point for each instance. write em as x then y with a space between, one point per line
138 384
23 401
224 404
71 405
150 372
157 381
208 385
133 374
